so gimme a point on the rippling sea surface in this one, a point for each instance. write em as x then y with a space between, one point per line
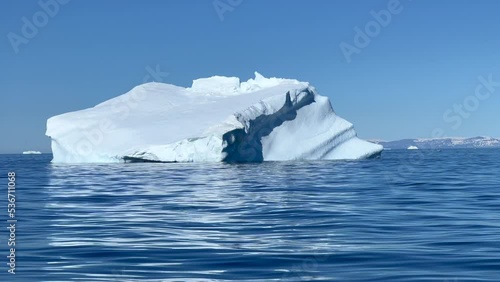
408 216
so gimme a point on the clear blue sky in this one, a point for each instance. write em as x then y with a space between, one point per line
427 59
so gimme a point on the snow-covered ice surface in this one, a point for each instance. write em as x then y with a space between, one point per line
217 119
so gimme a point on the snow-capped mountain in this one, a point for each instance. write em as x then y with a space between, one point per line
442 143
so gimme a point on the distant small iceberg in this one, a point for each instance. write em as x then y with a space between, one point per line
413 148
32 153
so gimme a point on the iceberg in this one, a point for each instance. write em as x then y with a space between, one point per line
216 119
32 153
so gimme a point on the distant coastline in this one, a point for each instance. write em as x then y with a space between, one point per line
442 143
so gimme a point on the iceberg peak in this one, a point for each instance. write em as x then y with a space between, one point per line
216 85
258 76
222 85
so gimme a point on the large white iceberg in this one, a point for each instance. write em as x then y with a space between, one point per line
217 119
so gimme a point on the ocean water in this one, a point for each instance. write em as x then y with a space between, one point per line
408 216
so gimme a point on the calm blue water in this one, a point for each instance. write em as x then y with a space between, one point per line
409 216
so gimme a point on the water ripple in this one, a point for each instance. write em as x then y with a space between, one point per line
431 217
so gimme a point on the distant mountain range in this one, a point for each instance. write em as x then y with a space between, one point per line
441 143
